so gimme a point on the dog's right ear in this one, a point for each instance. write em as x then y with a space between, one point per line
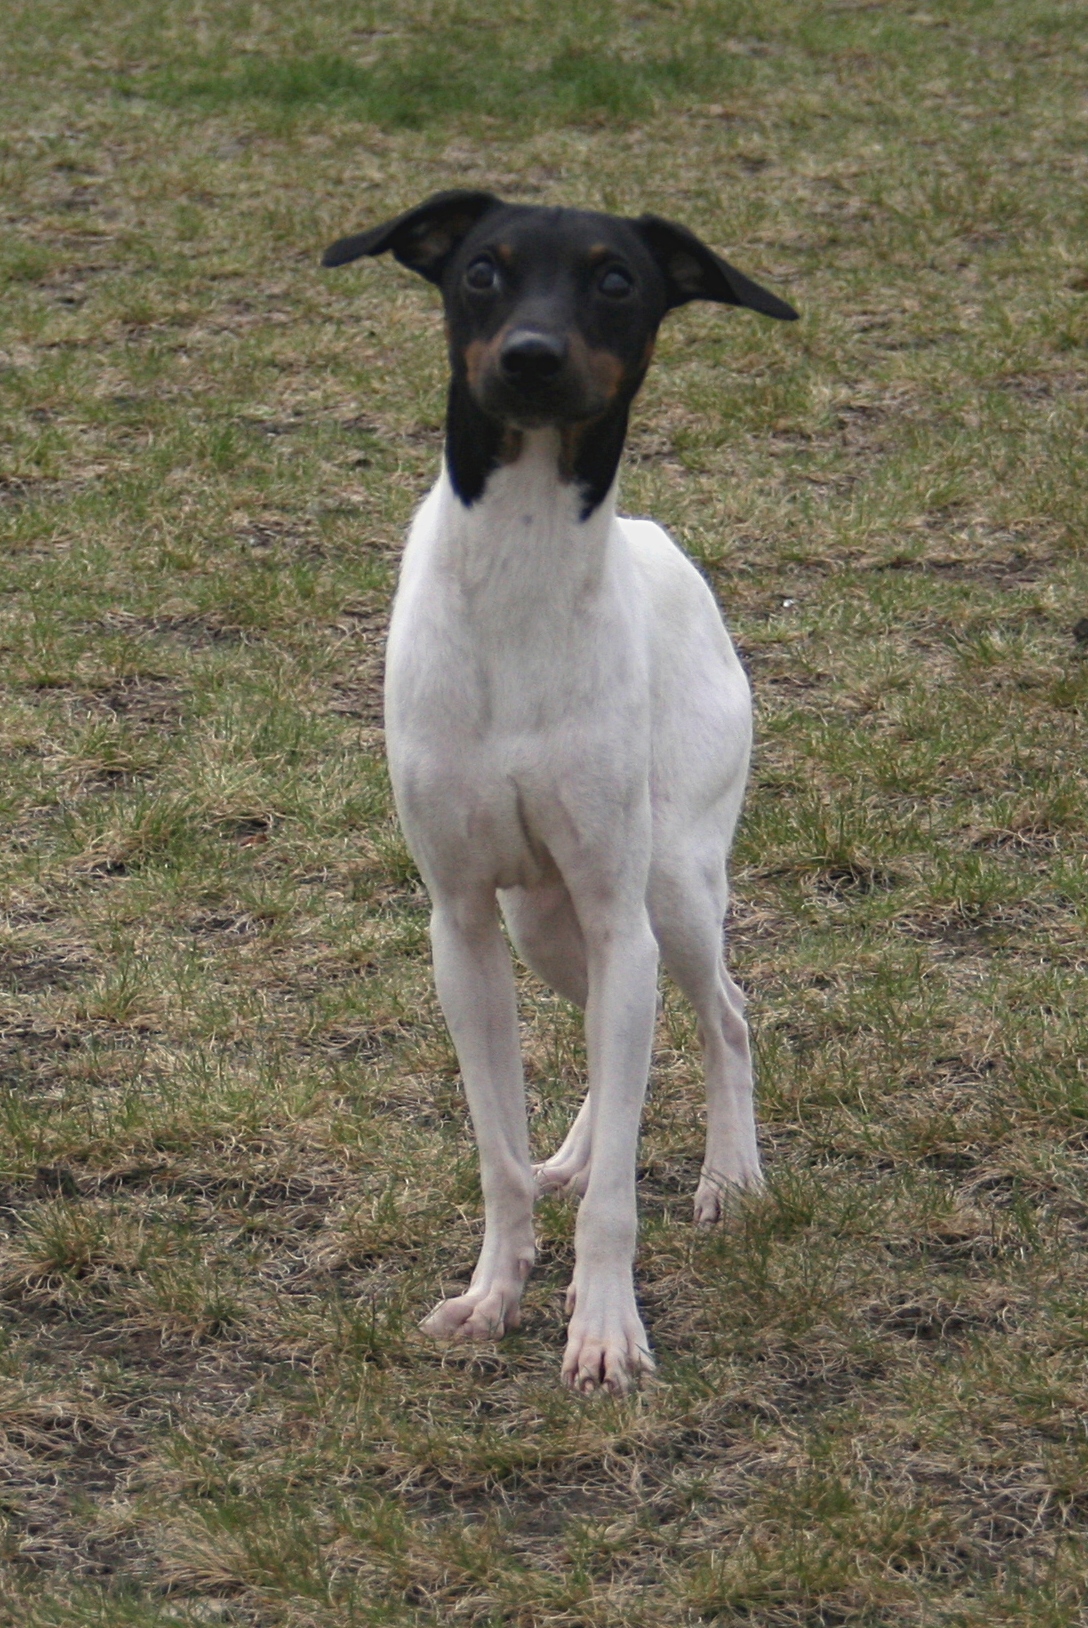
422 238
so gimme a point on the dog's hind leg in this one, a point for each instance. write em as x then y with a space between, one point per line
548 938
688 911
731 1162
568 1168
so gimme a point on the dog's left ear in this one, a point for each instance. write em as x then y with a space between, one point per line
422 238
694 272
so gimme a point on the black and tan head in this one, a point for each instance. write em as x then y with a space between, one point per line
551 316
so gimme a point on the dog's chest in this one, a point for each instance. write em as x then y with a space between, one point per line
516 677
513 616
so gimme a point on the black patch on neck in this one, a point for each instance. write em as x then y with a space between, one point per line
597 457
475 441
473 444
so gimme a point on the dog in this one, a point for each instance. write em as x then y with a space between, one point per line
568 730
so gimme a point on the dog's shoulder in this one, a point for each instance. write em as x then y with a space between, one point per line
669 575
688 636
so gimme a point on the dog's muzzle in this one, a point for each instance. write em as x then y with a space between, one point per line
534 379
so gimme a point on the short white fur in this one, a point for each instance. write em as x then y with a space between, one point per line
568 730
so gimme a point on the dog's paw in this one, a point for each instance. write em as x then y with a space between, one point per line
607 1348
718 1198
567 1171
484 1313
558 1175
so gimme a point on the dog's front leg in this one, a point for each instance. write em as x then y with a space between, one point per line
475 984
606 1342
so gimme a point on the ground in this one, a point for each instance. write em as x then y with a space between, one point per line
236 1167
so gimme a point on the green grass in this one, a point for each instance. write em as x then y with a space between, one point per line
581 81
236 1166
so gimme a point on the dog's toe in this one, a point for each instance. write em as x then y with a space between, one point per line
720 1198
472 1316
606 1350
708 1205
565 1177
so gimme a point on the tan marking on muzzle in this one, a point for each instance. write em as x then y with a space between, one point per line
512 442
601 368
481 355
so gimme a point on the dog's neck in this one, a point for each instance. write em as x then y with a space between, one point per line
524 549
477 447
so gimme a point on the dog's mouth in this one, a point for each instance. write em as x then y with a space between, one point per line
525 410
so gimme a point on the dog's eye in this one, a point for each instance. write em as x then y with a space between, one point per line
616 283
482 274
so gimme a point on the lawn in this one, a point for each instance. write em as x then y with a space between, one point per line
236 1167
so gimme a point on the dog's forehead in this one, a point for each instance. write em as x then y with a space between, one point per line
524 232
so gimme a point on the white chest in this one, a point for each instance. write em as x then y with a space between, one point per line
514 616
517 680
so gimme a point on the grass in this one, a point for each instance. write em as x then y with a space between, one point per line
236 1166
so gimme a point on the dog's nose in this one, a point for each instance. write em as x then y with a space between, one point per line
530 358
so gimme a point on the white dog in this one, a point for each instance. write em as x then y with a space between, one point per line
568 730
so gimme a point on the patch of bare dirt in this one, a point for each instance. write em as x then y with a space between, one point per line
54 965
